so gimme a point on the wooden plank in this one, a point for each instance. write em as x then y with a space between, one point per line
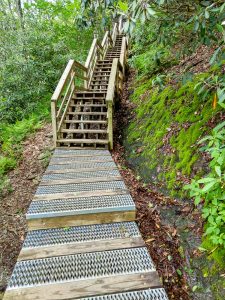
85 288
83 141
84 247
79 170
81 180
84 130
87 113
63 80
84 121
79 194
79 220
109 159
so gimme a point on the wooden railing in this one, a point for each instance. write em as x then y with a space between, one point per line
114 91
77 77
72 79
96 52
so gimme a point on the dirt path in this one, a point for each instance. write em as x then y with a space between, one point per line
24 181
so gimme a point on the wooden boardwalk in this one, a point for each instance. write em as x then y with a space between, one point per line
82 241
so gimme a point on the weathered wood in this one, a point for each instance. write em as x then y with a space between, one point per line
84 288
84 247
81 180
80 220
79 194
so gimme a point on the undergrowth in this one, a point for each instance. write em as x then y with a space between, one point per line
169 124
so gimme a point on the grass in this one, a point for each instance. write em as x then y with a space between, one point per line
11 136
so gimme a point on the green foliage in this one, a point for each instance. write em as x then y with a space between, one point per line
34 56
36 42
211 188
169 123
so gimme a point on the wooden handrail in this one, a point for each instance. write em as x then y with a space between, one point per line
63 80
114 33
90 54
104 39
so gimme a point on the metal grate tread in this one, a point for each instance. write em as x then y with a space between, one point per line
80 159
149 294
83 165
81 152
80 187
79 175
80 266
77 206
79 234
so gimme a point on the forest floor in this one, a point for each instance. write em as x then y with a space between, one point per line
15 202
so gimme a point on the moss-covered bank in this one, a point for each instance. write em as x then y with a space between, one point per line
167 126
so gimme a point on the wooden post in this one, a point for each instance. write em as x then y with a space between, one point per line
123 54
110 123
54 122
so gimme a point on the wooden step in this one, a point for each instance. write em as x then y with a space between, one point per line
85 121
80 239
84 130
87 113
97 71
88 105
83 141
101 76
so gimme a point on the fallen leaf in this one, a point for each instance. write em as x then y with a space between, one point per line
150 240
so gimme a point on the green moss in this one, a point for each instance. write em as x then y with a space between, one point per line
157 113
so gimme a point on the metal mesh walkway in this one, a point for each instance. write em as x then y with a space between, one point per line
84 247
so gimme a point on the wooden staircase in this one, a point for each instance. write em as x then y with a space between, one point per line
82 113
82 241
